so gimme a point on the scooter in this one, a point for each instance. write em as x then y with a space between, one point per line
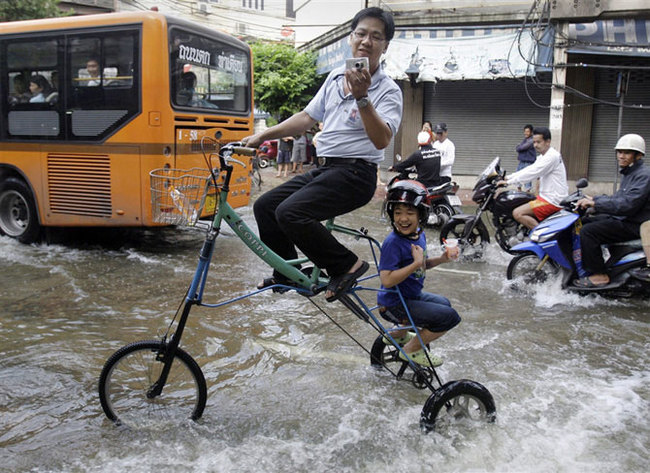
554 250
470 230
442 200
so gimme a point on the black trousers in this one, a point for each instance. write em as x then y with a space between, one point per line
599 230
290 215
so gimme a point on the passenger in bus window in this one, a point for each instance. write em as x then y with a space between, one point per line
188 96
91 78
20 92
40 88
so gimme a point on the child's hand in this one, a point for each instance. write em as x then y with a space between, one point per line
418 255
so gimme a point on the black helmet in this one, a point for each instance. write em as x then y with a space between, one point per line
408 192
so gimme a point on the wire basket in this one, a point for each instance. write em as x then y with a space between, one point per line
178 195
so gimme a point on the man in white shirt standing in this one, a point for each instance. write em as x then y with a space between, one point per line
447 151
550 170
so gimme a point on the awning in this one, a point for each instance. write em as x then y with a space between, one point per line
449 54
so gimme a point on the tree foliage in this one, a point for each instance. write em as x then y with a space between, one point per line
13 10
285 79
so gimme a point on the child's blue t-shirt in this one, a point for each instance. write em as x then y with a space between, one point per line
395 254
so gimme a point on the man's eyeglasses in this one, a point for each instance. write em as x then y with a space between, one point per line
362 35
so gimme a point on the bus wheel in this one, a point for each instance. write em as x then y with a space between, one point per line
18 217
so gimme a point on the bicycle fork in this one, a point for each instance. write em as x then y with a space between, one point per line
194 295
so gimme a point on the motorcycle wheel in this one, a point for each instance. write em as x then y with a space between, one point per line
441 214
263 163
472 246
523 269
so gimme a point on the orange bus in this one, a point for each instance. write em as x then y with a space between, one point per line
89 105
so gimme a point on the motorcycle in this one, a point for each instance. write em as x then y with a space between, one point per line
471 231
554 250
442 201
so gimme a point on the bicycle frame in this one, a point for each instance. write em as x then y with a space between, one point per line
307 285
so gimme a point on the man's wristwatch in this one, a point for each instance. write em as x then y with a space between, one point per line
363 102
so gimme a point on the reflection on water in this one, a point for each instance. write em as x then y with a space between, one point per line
288 391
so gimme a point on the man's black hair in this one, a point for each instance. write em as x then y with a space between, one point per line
376 12
542 130
529 127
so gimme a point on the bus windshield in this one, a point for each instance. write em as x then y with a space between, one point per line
208 74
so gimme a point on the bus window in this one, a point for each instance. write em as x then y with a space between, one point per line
103 94
32 67
208 74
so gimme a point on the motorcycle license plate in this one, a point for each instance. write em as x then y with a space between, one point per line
454 200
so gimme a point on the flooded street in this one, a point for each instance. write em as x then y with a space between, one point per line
288 391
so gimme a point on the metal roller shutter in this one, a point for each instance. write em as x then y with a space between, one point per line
485 118
602 160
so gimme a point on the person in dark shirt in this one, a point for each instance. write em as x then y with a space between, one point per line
621 214
526 154
426 161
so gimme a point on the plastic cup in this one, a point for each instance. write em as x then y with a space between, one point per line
451 248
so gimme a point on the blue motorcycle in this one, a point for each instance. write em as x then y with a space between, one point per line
554 251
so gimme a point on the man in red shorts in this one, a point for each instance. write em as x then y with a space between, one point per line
549 168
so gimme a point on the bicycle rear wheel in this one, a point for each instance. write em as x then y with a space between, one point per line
129 373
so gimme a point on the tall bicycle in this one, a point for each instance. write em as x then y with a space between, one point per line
156 381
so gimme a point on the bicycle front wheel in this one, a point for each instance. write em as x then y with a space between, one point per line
130 372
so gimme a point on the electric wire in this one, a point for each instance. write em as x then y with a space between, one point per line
537 24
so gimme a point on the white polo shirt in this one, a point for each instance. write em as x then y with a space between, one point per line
343 133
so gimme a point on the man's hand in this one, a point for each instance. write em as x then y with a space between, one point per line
252 141
502 183
358 81
585 202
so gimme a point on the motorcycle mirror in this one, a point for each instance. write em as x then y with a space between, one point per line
582 183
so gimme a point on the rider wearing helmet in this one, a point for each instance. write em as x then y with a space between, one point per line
402 264
426 161
619 216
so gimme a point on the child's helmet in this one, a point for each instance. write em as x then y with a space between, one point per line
408 192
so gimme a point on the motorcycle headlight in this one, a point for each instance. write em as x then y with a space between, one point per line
538 236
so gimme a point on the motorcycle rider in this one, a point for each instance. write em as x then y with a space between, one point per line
621 214
426 161
550 170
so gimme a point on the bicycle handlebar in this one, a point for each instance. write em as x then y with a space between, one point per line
244 150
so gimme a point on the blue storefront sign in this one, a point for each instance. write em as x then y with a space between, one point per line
620 37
